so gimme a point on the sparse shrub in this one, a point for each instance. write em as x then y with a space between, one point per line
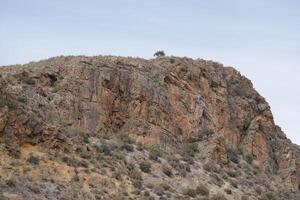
202 189
137 184
105 149
75 178
256 170
134 174
234 184
190 149
66 160
74 162
270 196
182 168
225 177
159 190
145 167
34 189
127 147
240 151
188 159
154 155
85 155
205 135
126 139
34 160
117 175
216 179
130 166
218 196
172 60
210 167
228 191
11 183
159 54
244 197
22 99
167 171
106 136
232 173
150 185
232 155
30 81
165 186
85 138
258 190
146 193
14 152
249 159
206 167
190 192
140 147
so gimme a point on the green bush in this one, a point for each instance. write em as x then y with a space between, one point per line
34 160
202 189
249 158
145 167
190 149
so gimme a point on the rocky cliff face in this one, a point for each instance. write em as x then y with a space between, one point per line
166 102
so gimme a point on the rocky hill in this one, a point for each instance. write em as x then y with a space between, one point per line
128 128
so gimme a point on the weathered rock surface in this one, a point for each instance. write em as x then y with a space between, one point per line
166 101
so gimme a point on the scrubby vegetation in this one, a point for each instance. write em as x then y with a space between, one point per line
142 171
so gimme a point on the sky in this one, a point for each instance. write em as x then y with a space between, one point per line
260 38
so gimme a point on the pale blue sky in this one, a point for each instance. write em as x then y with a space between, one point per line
261 38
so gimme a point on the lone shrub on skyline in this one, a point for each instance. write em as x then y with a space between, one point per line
159 54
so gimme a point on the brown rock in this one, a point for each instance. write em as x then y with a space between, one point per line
154 101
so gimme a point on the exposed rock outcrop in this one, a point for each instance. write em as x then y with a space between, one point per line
165 101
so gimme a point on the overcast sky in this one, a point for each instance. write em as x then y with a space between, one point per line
261 38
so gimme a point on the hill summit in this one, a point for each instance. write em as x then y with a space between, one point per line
110 127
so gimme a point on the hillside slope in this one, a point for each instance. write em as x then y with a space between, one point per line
127 128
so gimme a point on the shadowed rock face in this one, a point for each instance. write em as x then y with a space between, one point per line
166 101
